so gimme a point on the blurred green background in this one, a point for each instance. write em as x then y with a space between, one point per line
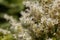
12 8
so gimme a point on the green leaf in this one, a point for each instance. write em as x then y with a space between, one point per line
5 25
54 38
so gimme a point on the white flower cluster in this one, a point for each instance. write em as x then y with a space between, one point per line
4 31
41 18
20 33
